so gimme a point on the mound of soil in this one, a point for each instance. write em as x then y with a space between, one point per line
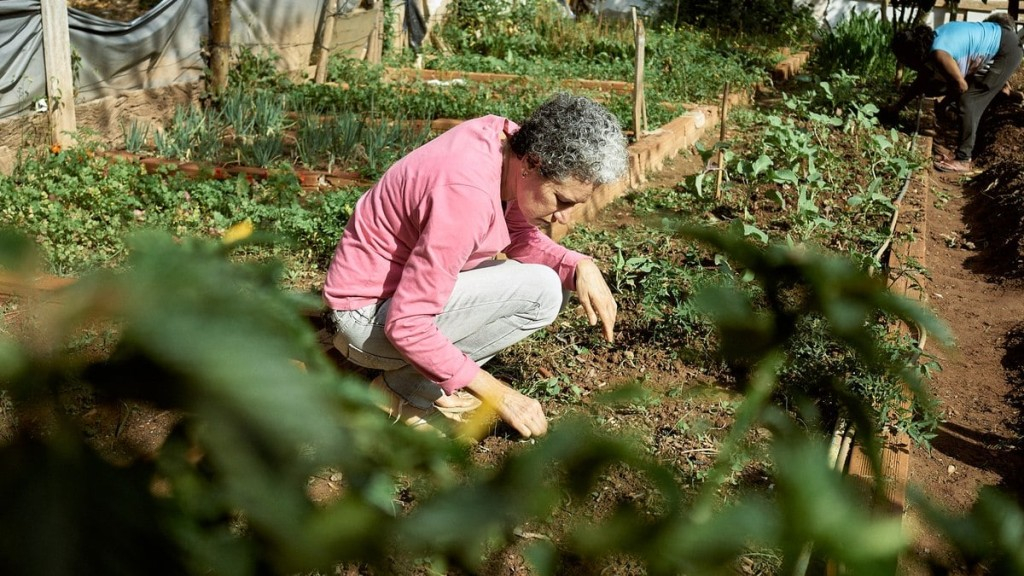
1000 132
1013 364
994 215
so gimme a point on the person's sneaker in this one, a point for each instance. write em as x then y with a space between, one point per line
955 166
426 395
399 410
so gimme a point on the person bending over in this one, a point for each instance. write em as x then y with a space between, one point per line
443 264
975 60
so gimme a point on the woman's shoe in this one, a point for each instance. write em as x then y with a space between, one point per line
954 166
458 402
940 155
401 411
426 395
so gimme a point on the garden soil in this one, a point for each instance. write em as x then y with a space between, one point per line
975 284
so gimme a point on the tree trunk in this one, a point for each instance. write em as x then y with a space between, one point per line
220 44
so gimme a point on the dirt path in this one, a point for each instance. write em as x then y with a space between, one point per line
977 444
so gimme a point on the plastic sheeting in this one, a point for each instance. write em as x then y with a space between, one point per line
161 47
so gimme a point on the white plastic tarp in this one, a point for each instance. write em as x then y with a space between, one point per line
161 47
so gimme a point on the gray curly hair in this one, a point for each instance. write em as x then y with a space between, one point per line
572 136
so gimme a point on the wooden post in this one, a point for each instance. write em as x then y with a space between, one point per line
375 44
326 39
60 83
639 104
220 44
721 138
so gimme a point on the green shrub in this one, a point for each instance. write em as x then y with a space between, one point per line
779 22
858 46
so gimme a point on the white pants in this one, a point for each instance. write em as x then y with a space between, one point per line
491 307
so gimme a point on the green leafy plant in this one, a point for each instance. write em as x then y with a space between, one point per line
192 135
136 136
314 140
236 105
261 150
784 20
347 129
857 45
252 70
81 207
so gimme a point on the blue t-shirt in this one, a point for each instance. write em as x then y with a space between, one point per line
972 44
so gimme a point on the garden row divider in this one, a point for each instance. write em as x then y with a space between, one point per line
790 66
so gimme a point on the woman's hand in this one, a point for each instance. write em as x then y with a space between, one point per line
515 408
596 297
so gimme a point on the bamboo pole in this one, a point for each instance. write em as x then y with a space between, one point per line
220 44
639 103
721 138
330 10
60 84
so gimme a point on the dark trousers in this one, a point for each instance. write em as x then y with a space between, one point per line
982 90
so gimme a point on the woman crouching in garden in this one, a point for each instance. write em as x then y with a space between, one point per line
417 286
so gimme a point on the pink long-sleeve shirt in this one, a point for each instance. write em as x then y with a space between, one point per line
435 213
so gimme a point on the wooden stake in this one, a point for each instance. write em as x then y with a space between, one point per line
639 104
375 46
721 138
60 84
220 45
330 10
